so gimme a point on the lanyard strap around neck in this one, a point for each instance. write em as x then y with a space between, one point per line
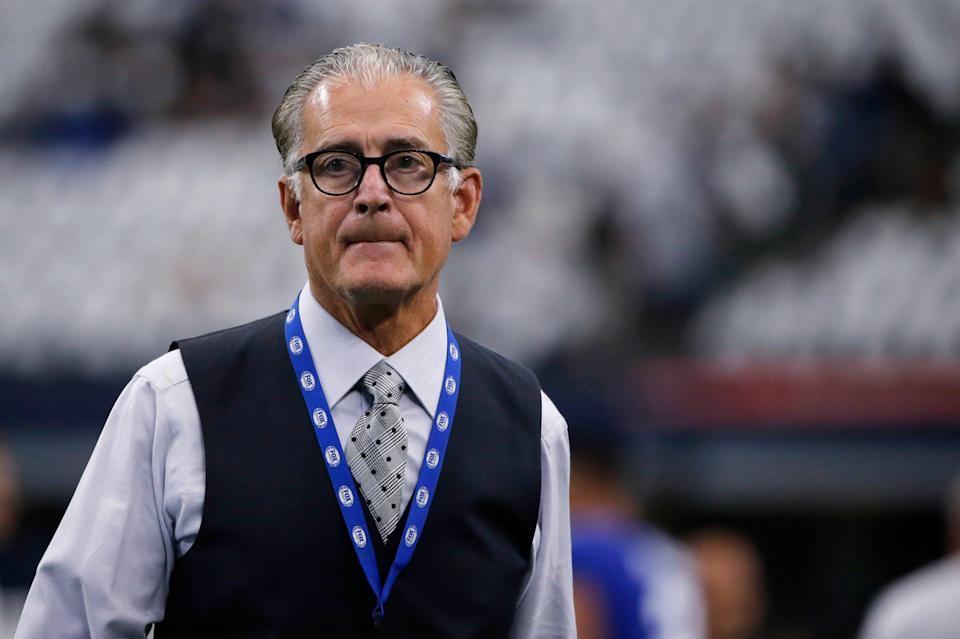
321 419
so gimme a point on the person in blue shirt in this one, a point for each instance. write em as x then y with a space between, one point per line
631 581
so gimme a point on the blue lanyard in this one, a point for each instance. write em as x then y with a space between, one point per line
346 491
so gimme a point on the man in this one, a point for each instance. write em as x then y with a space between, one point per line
631 581
923 604
732 576
10 565
273 480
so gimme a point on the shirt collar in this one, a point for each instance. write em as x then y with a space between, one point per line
341 358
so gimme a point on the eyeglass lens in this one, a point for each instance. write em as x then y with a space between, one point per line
406 171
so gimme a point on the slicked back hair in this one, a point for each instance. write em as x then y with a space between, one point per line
368 64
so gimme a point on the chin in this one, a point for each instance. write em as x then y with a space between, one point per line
379 292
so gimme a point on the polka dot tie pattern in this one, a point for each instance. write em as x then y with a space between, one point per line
377 448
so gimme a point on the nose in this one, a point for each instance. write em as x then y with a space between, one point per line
373 194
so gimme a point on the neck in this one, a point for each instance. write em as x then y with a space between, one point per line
384 326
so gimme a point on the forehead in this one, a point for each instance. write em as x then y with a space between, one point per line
371 116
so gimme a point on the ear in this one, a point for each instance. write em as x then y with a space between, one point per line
291 208
466 202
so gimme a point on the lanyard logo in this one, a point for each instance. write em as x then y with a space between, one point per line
308 381
411 537
423 496
320 418
359 537
296 345
332 455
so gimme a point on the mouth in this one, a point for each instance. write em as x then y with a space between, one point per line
373 249
372 238
372 242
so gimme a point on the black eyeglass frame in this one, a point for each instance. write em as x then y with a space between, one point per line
306 162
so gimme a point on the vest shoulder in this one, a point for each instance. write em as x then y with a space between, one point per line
494 361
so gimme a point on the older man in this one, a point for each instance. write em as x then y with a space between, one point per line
275 479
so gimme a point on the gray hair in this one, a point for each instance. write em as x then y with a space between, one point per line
368 63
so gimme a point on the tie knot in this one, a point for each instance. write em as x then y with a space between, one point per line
384 383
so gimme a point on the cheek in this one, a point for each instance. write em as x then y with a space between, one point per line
439 243
437 229
319 226
313 229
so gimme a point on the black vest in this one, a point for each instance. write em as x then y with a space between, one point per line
273 557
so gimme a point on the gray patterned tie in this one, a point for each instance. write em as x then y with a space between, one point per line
377 450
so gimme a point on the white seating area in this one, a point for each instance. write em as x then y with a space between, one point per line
107 257
668 110
887 285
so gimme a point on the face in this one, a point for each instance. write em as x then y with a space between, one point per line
374 246
9 498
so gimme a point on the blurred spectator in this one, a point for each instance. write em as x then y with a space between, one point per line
10 602
924 604
732 578
9 497
631 581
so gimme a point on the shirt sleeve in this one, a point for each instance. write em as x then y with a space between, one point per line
106 572
887 616
545 609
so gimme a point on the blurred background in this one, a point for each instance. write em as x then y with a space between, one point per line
726 235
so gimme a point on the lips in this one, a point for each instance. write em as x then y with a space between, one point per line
374 249
373 244
381 234
378 240
371 238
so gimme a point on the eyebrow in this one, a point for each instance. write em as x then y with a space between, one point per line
393 144
404 143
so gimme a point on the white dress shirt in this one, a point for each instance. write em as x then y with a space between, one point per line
139 503
922 605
